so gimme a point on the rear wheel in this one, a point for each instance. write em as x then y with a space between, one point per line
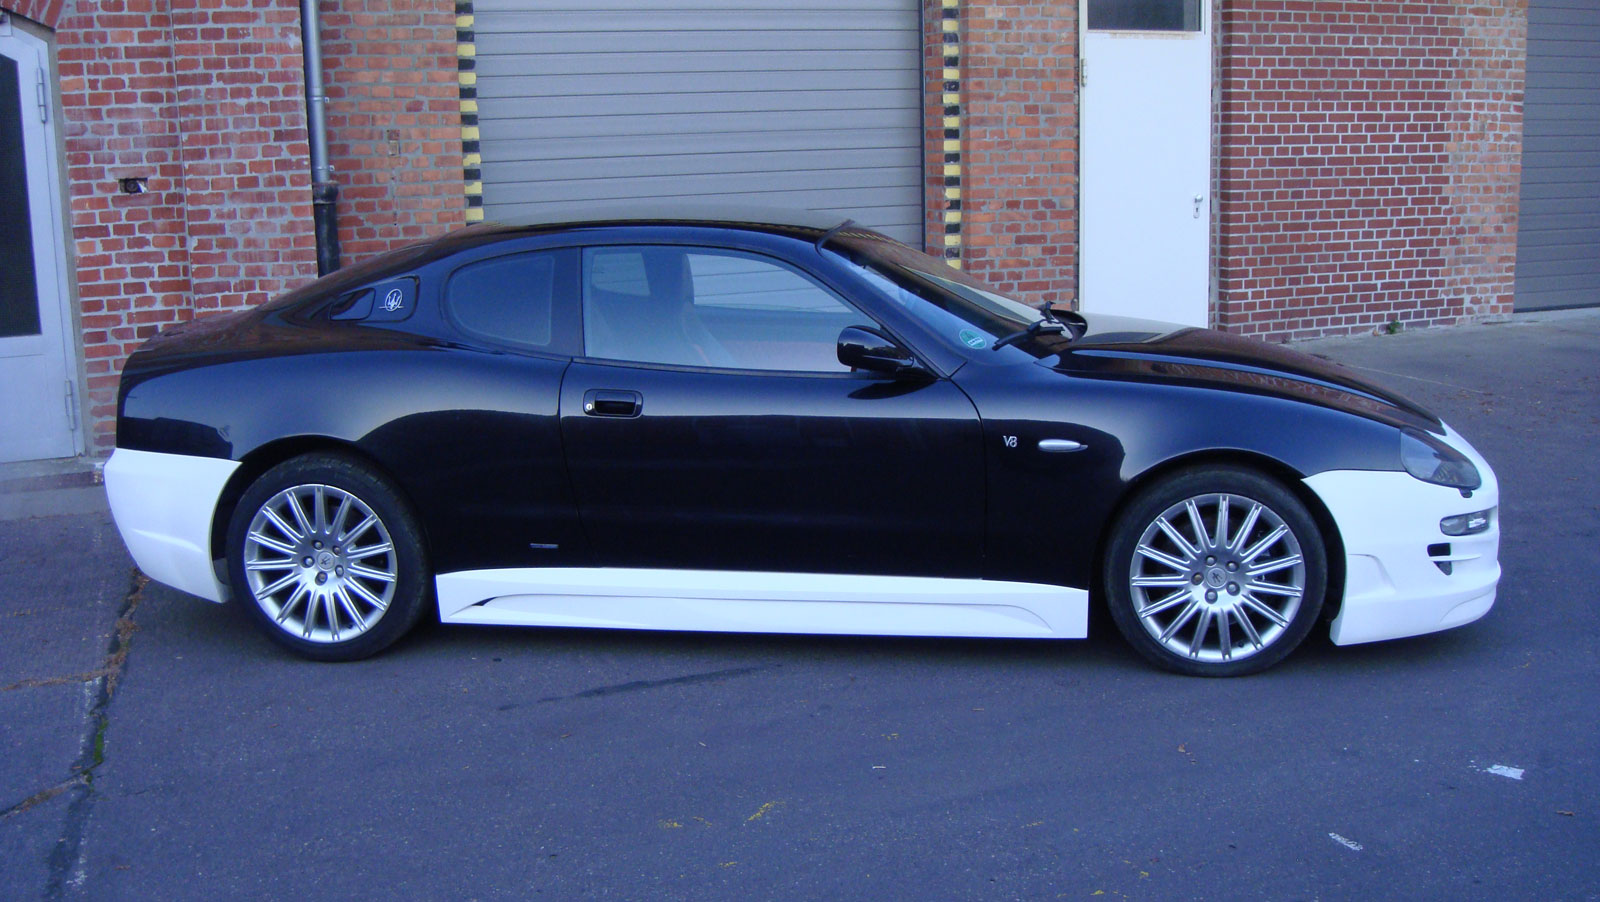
1216 572
325 556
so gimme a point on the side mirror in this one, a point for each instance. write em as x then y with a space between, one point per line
861 348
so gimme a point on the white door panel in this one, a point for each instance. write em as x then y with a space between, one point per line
37 417
1145 193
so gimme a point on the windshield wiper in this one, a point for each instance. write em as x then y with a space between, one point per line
1047 326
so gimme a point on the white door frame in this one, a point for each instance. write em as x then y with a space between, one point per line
1205 188
48 224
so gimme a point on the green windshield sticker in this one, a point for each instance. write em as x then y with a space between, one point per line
972 339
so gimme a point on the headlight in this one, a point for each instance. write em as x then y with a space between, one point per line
1431 460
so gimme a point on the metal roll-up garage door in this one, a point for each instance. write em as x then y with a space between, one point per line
772 103
1558 234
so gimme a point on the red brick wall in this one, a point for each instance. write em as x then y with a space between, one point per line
1020 146
207 103
45 12
242 120
394 120
207 106
119 99
1368 164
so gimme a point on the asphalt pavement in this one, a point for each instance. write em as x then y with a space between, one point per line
155 747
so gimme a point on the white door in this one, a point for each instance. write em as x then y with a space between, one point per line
1144 220
38 413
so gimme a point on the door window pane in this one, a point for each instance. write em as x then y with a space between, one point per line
1144 15
737 282
620 272
701 307
506 299
19 298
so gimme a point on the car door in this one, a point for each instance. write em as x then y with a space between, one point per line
710 426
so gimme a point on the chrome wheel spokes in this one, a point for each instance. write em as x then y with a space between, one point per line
1217 577
301 569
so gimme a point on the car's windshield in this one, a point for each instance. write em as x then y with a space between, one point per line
948 300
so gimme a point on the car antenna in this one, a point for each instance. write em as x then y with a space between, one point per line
834 231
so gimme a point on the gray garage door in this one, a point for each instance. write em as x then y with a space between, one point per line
772 103
1558 240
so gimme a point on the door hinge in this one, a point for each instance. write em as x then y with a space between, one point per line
72 406
1083 73
44 98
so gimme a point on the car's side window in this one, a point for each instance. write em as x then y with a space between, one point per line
506 299
695 306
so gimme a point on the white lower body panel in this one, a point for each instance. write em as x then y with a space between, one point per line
753 602
1387 520
163 505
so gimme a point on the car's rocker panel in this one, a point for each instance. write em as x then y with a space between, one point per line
757 602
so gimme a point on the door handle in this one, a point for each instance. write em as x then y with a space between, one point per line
609 402
1059 445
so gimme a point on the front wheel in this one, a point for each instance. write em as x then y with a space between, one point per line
1215 572
325 556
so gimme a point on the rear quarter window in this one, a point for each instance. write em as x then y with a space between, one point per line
505 299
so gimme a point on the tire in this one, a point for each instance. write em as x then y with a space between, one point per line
339 586
1191 604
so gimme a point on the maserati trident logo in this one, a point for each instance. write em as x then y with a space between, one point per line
394 300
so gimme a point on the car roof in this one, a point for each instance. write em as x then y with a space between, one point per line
805 224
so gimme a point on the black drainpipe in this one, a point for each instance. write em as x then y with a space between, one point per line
324 190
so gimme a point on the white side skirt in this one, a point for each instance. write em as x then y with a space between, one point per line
728 601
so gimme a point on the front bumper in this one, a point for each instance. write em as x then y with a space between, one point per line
163 505
1388 521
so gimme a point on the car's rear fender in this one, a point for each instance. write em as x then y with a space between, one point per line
264 458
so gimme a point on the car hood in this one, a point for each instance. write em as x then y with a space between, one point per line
1134 349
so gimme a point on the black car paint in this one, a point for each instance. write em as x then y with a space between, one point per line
813 473
850 473
1047 511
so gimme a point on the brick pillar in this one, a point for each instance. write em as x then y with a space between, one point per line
241 111
394 121
1019 222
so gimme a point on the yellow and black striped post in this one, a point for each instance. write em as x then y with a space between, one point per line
950 100
466 70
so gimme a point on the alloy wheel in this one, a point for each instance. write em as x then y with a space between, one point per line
1217 577
320 562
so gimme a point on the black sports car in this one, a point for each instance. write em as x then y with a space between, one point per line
717 424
